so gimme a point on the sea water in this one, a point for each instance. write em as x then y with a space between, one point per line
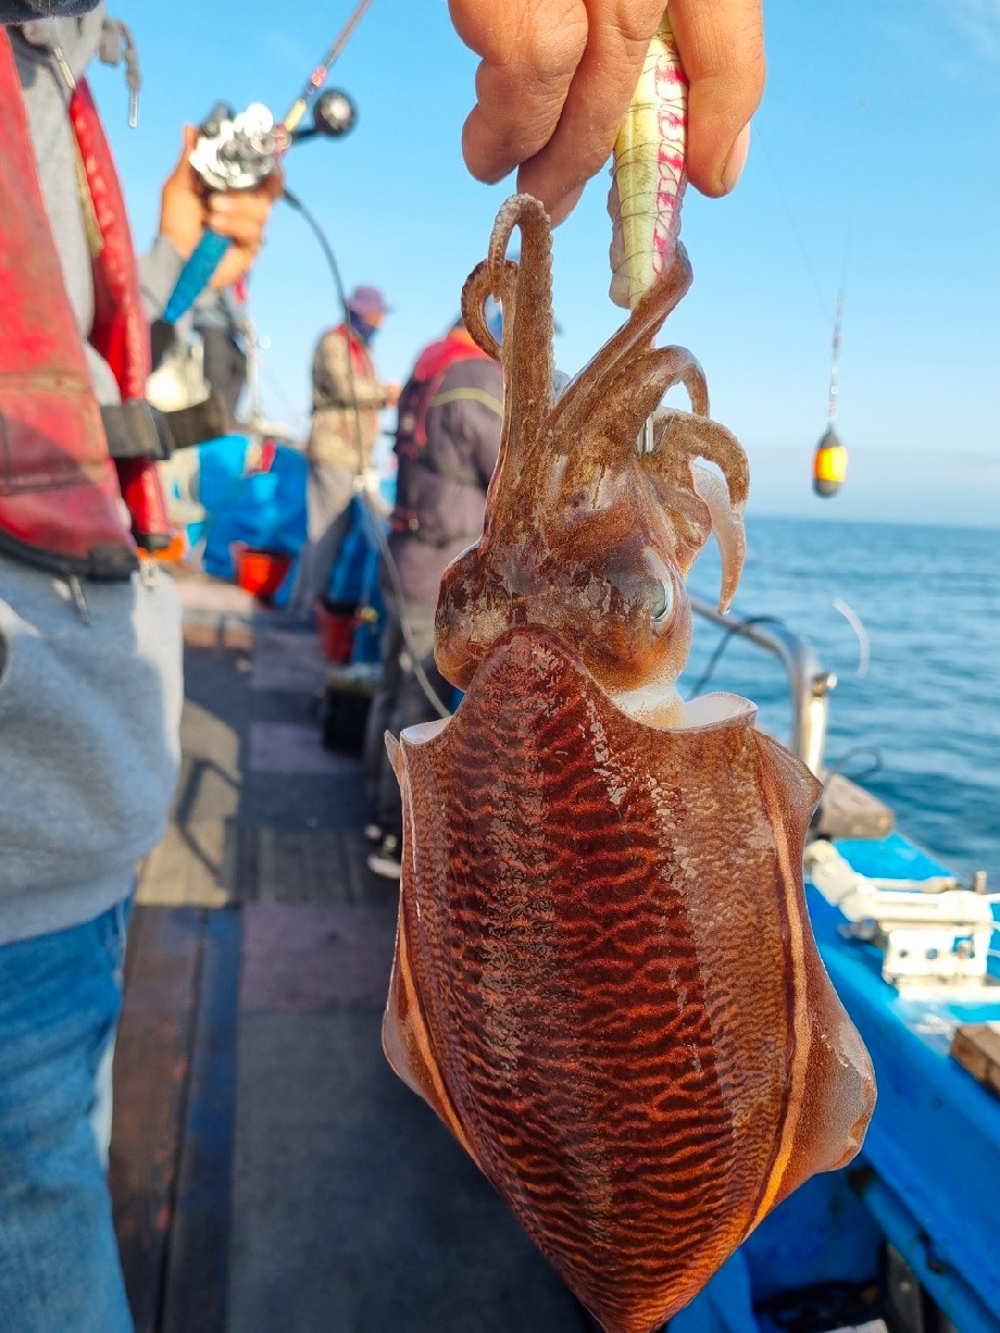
915 716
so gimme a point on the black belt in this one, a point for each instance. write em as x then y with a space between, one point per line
137 430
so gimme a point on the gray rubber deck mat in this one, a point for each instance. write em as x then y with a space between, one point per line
353 1209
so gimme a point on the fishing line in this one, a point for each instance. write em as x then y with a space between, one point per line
836 340
276 387
790 218
832 398
852 200
858 626
876 766
375 518
736 626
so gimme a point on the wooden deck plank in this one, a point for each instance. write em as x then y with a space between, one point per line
187 869
151 1077
247 872
136 928
198 1258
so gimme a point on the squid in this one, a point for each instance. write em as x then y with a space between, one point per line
605 982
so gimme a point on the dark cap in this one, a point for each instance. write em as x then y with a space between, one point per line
367 301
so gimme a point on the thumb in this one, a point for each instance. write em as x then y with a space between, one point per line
183 171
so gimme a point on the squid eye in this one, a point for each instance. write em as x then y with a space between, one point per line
662 605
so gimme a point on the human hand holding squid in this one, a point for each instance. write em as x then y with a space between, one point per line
557 76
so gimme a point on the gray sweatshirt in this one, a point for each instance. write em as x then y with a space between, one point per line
88 712
21 11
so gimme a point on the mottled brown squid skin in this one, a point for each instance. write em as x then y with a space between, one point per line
622 1014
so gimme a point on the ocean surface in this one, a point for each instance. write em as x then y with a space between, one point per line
918 724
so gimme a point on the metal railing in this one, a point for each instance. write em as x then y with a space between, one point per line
808 683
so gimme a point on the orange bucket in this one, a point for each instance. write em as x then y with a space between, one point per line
261 572
176 551
337 622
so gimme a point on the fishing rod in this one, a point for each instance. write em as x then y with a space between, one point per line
239 152
321 73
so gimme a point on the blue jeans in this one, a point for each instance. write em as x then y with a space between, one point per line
60 996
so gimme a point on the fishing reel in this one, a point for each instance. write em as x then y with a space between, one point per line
237 151
334 115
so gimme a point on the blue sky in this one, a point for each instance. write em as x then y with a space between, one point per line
880 126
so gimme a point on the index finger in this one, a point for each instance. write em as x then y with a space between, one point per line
530 51
604 83
721 44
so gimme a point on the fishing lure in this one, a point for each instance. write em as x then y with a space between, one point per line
648 177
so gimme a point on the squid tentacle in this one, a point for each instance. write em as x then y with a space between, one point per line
633 338
527 343
476 291
686 435
635 391
727 525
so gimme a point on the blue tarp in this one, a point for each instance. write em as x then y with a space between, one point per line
354 580
266 510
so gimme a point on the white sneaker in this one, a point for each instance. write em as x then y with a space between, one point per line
385 860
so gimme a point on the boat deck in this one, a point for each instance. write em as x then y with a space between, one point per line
269 1172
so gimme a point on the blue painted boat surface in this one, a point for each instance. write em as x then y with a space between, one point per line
928 1178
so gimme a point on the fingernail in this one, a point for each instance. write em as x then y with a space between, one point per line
736 160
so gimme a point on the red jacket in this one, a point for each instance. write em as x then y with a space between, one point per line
447 442
60 492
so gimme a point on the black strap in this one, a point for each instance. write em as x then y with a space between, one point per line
137 430
189 426
134 431
103 564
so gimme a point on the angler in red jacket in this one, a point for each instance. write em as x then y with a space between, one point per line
90 680
447 443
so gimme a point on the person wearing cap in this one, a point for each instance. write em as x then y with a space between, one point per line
347 398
